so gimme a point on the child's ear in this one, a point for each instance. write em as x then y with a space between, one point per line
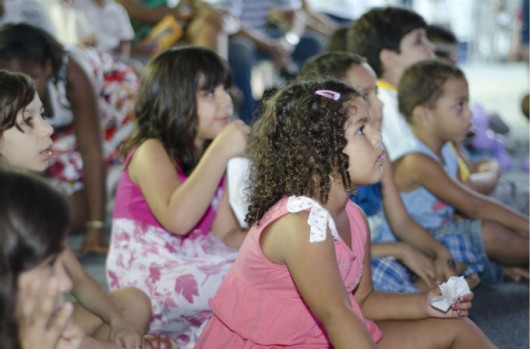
387 58
48 68
421 115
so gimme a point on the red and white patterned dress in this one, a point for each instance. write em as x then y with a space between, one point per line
116 87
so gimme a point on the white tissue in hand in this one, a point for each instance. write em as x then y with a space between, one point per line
455 287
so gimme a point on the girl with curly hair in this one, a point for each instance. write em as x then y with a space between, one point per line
302 276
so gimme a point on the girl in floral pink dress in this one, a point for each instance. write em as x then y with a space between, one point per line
173 233
302 276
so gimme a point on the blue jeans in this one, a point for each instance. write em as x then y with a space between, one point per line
243 55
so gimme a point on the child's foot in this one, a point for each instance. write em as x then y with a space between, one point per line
93 243
516 273
158 341
472 280
85 250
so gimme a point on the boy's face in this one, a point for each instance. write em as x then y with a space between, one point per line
451 115
363 78
29 147
413 48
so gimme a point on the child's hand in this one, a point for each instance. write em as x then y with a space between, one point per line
71 338
232 141
41 324
419 263
458 309
444 267
123 334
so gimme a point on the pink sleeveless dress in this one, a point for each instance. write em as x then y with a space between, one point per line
178 273
258 305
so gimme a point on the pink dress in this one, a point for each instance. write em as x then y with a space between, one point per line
179 273
258 305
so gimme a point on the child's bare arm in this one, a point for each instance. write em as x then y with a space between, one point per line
418 262
406 229
401 306
225 225
178 207
314 269
483 175
428 173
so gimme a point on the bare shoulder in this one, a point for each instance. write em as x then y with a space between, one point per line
150 157
287 233
410 170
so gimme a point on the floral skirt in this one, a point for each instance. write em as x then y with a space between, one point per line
179 274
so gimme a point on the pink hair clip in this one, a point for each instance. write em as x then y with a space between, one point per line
328 94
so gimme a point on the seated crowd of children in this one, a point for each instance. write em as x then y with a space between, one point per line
361 203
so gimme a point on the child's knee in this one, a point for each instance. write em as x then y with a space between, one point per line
131 298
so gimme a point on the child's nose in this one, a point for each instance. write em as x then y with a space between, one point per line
47 129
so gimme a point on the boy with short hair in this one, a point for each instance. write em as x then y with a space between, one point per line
391 39
434 97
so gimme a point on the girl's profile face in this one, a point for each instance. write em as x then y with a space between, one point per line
363 78
214 109
37 279
29 146
364 145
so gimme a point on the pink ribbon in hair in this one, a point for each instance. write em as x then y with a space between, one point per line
328 94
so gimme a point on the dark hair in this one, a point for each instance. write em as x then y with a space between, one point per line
34 219
331 65
297 144
16 92
166 106
381 28
338 39
422 84
441 37
26 43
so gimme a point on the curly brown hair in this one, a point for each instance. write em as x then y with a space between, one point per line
296 146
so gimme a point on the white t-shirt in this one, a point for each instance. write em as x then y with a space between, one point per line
397 134
71 26
111 23
27 11
348 9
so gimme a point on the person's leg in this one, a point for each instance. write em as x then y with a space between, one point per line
433 333
134 305
504 245
242 57
94 240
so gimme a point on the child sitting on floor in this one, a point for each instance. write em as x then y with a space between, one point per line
174 235
302 277
434 98
114 320
404 256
